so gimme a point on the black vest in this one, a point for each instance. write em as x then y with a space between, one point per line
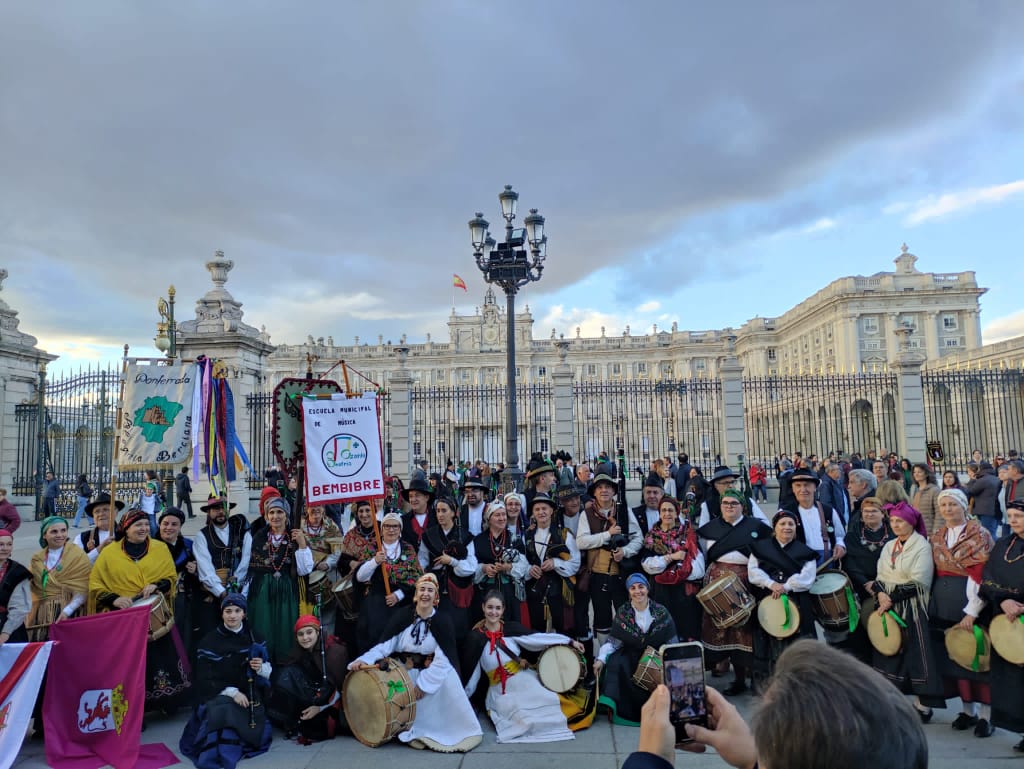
456 544
16 573
226 556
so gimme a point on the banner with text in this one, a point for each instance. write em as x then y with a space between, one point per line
342 440
156 426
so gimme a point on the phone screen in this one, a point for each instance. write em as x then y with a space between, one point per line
684 677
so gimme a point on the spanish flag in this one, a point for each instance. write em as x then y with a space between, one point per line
458 282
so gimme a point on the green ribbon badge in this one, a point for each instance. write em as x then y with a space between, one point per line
895 616
851 601
785 608
1020 619
979 648
395 687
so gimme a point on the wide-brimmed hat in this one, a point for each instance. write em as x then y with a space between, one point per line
215 501
474 483
804 474
417 484
538 466
542 498
103 499
568 491
600 478
722 472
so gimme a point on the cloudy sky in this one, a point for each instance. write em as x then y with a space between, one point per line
697 162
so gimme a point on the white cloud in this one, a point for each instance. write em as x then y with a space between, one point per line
650 306
1007 327
822 224
591 322
939 206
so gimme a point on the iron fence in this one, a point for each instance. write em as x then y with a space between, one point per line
644 420
841 413
968 410
468 423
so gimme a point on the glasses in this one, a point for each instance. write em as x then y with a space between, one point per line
731 504
391 526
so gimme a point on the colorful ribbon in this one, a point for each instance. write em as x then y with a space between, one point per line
851 601
395 687
785 608
979 648
895 616
213 415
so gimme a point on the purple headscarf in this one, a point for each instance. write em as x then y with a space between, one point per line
905 512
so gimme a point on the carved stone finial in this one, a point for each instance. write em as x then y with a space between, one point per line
563 349
904 248
403 355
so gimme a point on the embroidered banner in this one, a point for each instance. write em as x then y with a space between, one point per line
156 421
342 441
21 672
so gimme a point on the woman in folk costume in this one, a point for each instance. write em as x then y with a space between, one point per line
638 624
501 561
357 546
139 567
554 560
960 549
305 698
520 707
1002 586
274 586
322 534
229 722
865 538
425 642
728 541
60 579
905 575
15 593
446 551
397 561
671 556
188 587
784 568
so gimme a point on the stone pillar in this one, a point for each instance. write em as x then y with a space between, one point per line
20 363
400 426
218 332
733 422
910 422
564 404
931 335
972 329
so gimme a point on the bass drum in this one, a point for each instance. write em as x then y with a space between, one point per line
379 704
561 668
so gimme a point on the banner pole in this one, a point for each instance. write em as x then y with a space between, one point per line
117 443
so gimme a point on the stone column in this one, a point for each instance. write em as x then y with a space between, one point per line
931 335
400 426
910 422
972 329
733 422
564 404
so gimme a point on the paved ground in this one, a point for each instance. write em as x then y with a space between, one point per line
603 746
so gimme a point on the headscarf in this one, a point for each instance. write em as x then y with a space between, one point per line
905 512
734 494
959 496
173 512
134 515
306 620
489 511
46 524
277 503
784 514
234 599
428 577
5 533
517 495
268 493
636 578
392 518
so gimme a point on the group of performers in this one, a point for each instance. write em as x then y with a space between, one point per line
445 605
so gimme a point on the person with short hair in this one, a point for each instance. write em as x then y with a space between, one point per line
821 710
925 494
9 517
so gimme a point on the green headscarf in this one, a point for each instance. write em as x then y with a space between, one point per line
47 523
734 494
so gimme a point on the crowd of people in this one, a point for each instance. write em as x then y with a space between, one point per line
460 601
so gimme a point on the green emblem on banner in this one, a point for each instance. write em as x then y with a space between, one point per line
155 416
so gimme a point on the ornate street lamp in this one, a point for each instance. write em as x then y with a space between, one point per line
508 266
166 329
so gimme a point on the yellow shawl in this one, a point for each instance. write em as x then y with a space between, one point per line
70 576
114 572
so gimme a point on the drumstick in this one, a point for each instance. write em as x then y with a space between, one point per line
822 567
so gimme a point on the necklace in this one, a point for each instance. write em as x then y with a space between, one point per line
1006 555
873 544
276 543
897 551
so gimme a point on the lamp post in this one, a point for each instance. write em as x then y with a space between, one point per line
507 265
166 339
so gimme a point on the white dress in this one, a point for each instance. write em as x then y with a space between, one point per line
445 720
526 712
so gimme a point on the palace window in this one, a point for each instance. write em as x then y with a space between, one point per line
870 324
952 343
542 371
949 322
771 353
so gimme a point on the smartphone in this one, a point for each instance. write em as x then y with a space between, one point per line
683 672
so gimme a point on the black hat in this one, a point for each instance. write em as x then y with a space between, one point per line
538 466
435 477
655 480
568 491
600 478
722 472
804 474
418 484
103 499
541 498
474 483
215 501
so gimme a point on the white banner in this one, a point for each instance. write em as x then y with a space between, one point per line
21 672
342 440
156 426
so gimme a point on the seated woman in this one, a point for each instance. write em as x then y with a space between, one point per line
424 640
305 697
139 567
672 556
60 579
397 560
639 623
520 707
15 593
784 568
229 722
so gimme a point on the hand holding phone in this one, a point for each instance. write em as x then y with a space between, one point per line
683 673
